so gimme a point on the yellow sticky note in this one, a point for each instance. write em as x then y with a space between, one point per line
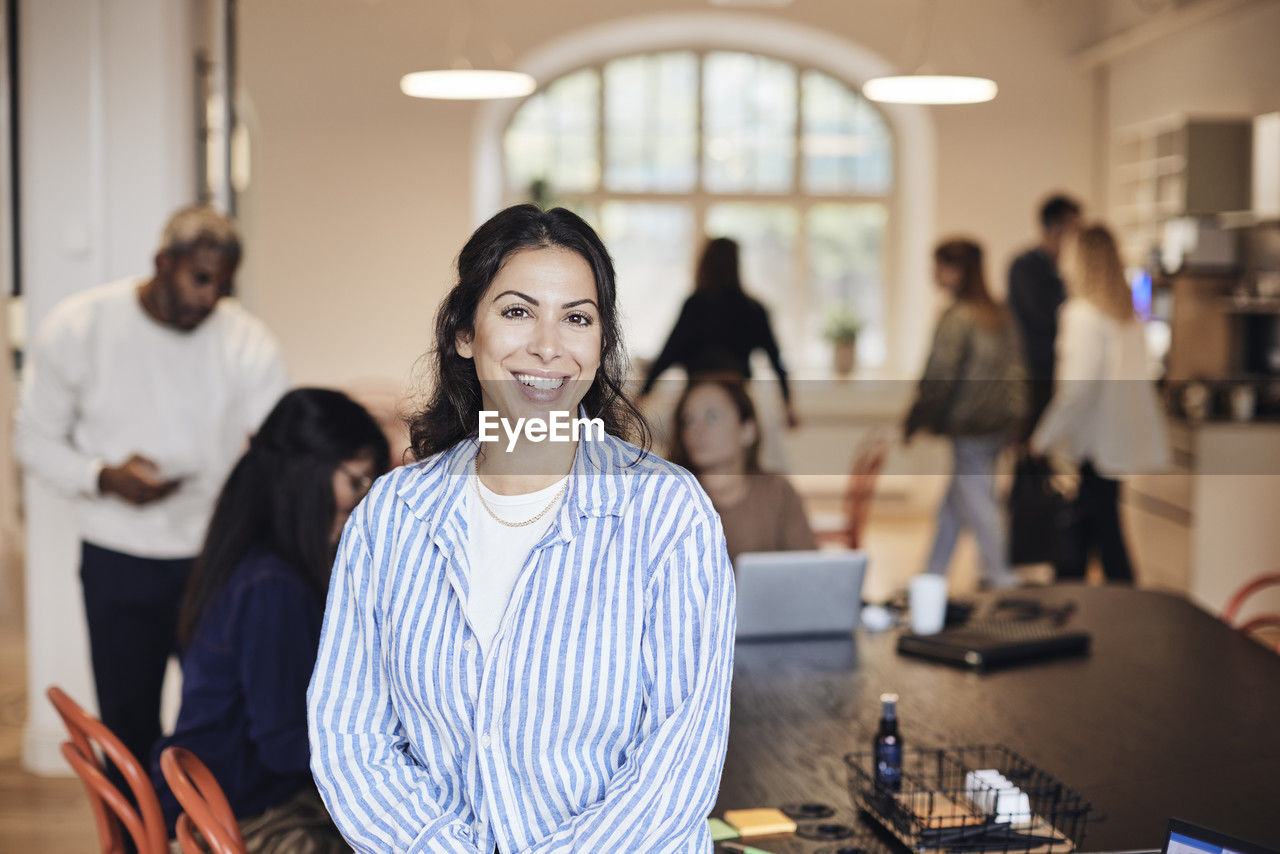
760 822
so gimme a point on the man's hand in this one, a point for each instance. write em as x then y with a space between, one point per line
137 481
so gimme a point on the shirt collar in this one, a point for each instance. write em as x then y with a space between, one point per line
599 482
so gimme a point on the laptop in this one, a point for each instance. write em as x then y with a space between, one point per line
984 644
799 594
1184 837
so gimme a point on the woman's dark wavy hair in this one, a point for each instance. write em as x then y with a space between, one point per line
733 386
279 497
452 410
965 255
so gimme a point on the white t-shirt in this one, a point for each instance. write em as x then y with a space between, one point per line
497 552
105 381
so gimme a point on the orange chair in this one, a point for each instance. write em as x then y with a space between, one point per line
205 805
868 459
1232 611
111 809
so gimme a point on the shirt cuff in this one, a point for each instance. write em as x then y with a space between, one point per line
94 472
445 835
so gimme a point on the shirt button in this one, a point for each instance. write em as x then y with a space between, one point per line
484 741
462 833
469 645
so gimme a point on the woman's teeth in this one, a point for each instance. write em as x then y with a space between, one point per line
544 383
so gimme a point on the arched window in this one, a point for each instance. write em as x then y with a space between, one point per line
661 150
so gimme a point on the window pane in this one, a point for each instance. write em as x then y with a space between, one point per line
846 143
766 235
554 138
749 123
846 268
652 250
651 122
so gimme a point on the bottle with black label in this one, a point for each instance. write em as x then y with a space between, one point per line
888 746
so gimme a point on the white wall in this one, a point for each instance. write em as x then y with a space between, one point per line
1228 65
107 142
361 197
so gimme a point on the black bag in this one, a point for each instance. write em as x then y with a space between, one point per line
1036 508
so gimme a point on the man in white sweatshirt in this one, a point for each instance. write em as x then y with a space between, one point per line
137 399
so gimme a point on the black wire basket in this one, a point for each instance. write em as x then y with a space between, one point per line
970 799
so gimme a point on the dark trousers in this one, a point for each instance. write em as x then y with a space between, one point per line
131 604
1092 523
1039 392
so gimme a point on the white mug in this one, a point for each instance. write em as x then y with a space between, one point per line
927 596
1243 400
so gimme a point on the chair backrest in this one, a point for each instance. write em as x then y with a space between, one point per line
868 459
1236 603
203 801
188 841
143 818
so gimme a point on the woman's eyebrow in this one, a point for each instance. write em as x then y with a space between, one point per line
524 297
533 301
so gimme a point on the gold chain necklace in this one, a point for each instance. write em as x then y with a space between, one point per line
476 471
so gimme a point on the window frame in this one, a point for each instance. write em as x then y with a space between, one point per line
700 199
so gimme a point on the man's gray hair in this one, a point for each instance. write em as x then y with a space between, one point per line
200 225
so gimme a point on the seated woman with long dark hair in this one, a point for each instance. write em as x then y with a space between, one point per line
717 437
250 621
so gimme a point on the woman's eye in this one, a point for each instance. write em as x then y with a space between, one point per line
579 319
515 311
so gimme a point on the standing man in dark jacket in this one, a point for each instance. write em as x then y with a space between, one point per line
1036 291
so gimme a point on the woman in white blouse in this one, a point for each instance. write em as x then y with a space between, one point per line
528 644
1104 414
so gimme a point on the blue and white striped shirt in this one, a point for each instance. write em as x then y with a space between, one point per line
598 721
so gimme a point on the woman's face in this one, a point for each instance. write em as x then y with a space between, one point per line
537 337
947 276
713 433
351 482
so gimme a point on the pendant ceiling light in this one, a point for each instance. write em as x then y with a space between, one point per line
930 89
462 82
922 87
467 84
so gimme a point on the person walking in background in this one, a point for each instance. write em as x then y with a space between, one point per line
718 439
250 619
974 391
720 326
1036 292
138 399
1104 413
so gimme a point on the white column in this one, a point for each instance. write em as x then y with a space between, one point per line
107 151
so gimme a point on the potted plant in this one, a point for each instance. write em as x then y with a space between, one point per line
842 331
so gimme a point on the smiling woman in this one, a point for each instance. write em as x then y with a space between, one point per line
527 647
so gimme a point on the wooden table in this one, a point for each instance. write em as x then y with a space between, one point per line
1172 714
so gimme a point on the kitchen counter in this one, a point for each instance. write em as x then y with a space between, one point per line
1209 524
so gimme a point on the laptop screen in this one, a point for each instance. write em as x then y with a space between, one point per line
1187 838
